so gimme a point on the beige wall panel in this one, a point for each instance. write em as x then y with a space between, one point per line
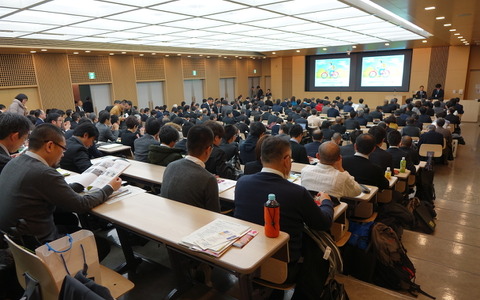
474 58
193 64
17 70
212 82
255 67
228 68
174 81
149 68
266 70
420 69
54 84
457 71
241 82
80 66
287 76
123 78
276 66
7 96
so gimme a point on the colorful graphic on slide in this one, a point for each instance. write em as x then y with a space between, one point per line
380 71
332 72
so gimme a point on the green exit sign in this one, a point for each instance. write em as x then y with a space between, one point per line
91 75
254 71
194 73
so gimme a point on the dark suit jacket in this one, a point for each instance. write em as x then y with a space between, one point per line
296 206
253 167
438 94
411 130
347 150
338 128
76 158
4 159
397 155
381 158
431 137
365 172
217 164
182 145
413 153
351 124
312 148
299 153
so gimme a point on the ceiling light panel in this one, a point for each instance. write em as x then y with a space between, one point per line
198 8
4 11
335 14
257 2
83 7
109 24
353 21
194 33
40 36
223 37
123 35
303 27
27 27
301 6
141 3
76 30
276 22
155 29
148 16
232 28
196 23
164 38
11 34
95 39
19 4
45 18
245 15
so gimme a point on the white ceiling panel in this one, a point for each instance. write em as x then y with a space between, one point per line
44 18
156 29
276 22
140 3
19 3
4 11
76 30
232 28
124 35
295 7
194 33
353 21
148 16
305 28
335 14
83 7
245 15
257 2
11 34
27 27
50 36
109 24
96 39
198 8
197 23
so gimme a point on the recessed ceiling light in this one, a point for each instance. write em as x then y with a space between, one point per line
87 51
424 41
154 53
224 57
123 52
240 57
44 50
264 57
456 33
189 56
447 24
298 50
453 29
460 37
354 47
274 52
208 56
387 44
219 56
253 57
33 51
201 55
324 49
141 54
179 54
440 18
166 55
430 8
75 52
112 53
463 40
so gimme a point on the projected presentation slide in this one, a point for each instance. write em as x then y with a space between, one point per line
378 71
332 72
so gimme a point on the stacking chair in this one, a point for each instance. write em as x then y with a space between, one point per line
27 262
436 149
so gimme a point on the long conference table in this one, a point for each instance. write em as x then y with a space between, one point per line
168 221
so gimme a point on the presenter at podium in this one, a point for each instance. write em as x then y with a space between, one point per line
421 94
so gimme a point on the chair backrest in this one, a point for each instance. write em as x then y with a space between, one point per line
436 149
28 262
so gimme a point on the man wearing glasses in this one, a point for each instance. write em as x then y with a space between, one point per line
13 133
32 189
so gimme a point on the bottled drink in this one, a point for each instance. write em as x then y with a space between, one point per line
403 165
388 173
271 214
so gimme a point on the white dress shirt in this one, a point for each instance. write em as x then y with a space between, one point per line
325 178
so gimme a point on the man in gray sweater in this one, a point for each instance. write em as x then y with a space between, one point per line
186 180
32 189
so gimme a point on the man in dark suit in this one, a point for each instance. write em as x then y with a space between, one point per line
351 123
361 168
349 150
32 187
247 148
377 113
13 133
76 157
296 204
421 94
312 148
299 153
379 156
338 126
431 137
438 92
394 138
410 129
408 147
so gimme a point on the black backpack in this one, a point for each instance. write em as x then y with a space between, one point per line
424 213
424 179
393 270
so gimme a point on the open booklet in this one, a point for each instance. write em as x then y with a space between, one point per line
100 173
225 184
215 237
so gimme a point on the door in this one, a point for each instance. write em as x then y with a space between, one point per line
150 94
193 90
227 88
253 82
101 96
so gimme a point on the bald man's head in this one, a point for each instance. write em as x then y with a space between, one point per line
329 153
